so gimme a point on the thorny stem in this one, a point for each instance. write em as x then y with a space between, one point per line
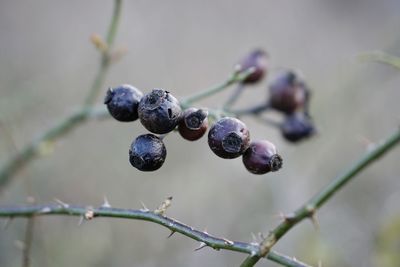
309 209
29 152
88 213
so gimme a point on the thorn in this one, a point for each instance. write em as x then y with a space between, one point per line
144 208
261 236
237 68
367 143
202 245
45 210
105 204
81 220
227 242
314 221
89 214
253 253
164 206
205 231
254 238
7 223
171 234
63 204
98 42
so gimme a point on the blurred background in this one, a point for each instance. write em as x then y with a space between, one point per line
46 67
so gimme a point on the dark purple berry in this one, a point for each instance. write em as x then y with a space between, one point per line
147 153
288 93
122 102
159 111
194 124
261 157
228 138
297 127
257 59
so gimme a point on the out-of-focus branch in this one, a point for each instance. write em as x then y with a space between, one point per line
308 210
30 151
157 216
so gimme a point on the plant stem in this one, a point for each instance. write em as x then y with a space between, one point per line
26 260
309 209
30 151
105 57
233 98
236 77
216 243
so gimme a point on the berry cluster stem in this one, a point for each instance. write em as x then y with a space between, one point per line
203 237
309 209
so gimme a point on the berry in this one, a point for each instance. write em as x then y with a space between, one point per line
194 124
261 157
257 59
228 138
288 93
297 127
122 102
159 111
147 152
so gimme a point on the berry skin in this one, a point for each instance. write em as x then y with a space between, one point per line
147 153
159 111
122 102
297 127
228 138
261 157
194 124
288 93
258 60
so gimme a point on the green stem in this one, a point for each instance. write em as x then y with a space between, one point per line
216 243
236 77
30 151
105 57
309 209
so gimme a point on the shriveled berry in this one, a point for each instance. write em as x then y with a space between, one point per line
159 111
297 127
122 102
257 59
194 124
147 153
261 157
228 138
288 93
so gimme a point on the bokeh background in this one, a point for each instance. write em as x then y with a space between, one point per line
47 64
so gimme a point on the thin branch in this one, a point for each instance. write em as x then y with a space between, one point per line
31 150
216 243
26 260
309 209
381 57
105 57
234 97
236 77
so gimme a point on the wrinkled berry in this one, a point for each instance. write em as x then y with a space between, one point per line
261 157
159 111
147 152
194 124
228 138
288 93
122 102
258 60
297 127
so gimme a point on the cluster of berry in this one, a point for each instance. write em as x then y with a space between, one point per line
160 113
288 94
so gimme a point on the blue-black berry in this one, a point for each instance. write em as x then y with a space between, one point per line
147 152
288 93
297 127
159 111
261 157
122 102
194 124
228 138
257 59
